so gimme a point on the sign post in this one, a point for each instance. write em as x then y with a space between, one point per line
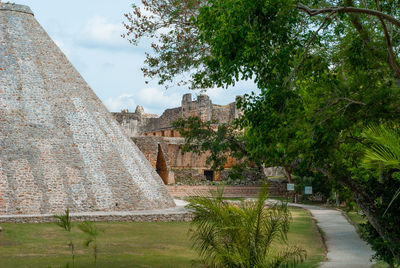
290 188
308 190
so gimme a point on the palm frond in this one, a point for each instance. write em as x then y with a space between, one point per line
237 235
64 220
90 229
289 257
385 147
88 242
385 150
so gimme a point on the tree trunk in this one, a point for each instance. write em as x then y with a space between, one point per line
95 255
288 173
365 207
366 204
72 250
337 199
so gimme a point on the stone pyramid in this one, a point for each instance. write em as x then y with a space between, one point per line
59 146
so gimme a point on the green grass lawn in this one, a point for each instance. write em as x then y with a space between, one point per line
125 245
303 233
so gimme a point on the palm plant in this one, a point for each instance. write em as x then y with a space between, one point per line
92 232
64 221
384 150
242 235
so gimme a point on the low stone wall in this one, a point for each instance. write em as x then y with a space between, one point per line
229 191
188 176
158 217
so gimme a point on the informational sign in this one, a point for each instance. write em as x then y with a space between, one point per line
308 190
290 186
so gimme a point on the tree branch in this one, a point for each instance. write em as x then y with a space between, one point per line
392 59
314 12
307 48
344 108
347 99
355 20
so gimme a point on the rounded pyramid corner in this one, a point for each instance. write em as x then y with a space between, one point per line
16 8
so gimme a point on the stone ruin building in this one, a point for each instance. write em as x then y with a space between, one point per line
161 143
60 147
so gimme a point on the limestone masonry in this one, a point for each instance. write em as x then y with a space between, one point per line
140 123
161 143
60 147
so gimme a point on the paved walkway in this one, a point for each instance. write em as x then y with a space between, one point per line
345 248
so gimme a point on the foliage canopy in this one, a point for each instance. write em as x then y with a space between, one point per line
326 70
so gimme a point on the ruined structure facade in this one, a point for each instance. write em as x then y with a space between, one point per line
161 143
60 147
139 123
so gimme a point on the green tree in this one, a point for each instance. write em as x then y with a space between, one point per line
228 235
177 48
382 154
92 231
325 70
220 139
384 151
227 41
64 221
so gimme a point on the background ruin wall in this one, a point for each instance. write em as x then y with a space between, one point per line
157 139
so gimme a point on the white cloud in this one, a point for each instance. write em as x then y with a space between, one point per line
228 95
153 100
125 101
156 97
217 94
101 32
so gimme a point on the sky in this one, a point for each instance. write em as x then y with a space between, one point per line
89 33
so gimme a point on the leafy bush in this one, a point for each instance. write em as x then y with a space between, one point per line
242 234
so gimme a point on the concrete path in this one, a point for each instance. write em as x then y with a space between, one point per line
345 248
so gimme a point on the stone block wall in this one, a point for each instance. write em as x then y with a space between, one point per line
183 216
179 165
229 191
189 176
